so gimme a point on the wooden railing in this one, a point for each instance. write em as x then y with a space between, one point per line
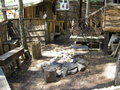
94 23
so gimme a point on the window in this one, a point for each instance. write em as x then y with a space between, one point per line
116 1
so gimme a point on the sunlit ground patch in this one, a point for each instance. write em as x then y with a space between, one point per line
109 70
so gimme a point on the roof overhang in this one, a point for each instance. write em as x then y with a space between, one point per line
26 3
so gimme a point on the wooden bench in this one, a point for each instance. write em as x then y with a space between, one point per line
3 82
10 56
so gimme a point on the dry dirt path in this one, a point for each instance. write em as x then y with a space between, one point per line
100 73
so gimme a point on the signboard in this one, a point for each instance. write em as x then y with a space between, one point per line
62 5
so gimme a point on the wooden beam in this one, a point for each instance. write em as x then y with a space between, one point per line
9 7
87 7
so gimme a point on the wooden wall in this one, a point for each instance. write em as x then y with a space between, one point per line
112 19
35 29
3 35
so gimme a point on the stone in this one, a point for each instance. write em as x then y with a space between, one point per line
59 72
69 65
81 67
64 72
83 62
72 71
76 59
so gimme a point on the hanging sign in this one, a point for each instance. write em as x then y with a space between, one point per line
62 5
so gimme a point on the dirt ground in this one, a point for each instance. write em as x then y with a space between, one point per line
99 73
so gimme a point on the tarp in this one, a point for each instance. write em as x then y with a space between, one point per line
25 2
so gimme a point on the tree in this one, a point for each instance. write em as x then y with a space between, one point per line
21 28
21 24
4 11
87 7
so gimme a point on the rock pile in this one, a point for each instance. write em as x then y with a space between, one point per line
67 63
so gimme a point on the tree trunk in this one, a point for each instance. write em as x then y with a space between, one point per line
4 12
49 74
22 31
21 24
106 41
36 50
87 7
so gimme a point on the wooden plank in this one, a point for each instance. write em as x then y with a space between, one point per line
42 30
11 55
112 29
36 36
112 18
36 39
3 82
112 22
112 25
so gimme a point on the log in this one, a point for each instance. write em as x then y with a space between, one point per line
36 50
49 74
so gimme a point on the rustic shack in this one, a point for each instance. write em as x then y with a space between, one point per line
111 19
39 19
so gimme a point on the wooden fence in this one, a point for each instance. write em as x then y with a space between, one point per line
36 30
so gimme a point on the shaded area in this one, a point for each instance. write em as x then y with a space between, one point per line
30 76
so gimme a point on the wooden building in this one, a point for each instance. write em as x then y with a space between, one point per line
37 13
112 16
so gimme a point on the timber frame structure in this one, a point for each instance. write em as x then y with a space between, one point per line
112 16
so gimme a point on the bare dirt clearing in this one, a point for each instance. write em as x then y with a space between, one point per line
99 73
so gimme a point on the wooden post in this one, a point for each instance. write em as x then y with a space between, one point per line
80 10
106 41
87 7
117 75
4 11
48 24
36 50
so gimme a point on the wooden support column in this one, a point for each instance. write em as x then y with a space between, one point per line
49 8
106 41
80 10
87 7
117 75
